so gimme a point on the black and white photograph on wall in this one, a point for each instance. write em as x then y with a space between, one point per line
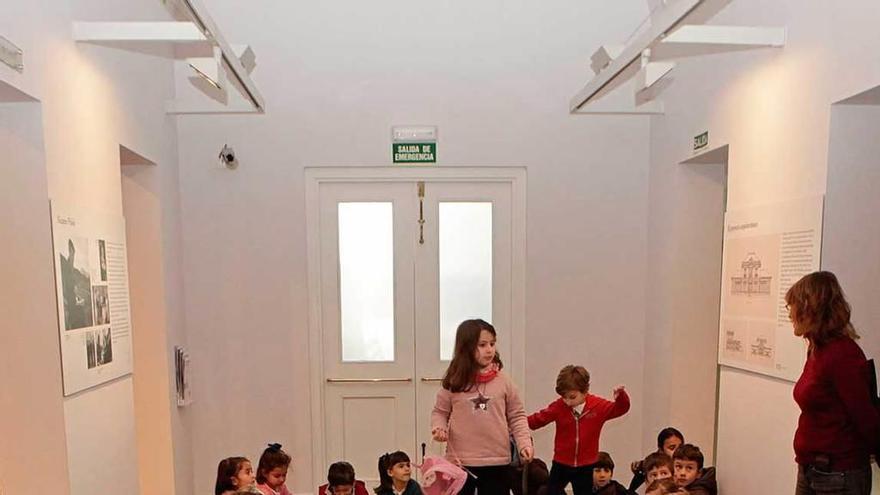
102 305
105 347
76 284
91 356
91 279
102 259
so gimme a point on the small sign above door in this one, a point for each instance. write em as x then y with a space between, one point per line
701 142
414 152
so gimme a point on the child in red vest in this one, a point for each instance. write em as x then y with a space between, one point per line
579 417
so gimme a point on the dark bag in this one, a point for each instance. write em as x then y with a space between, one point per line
872 383
529 479
875 398
515 459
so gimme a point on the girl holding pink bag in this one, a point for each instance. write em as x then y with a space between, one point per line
478 410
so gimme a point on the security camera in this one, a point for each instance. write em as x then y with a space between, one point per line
227 156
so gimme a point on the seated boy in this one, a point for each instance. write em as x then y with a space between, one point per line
341 481
689 472
657 466
603 472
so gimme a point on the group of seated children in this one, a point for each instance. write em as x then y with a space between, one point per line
235 476
681 473
483 405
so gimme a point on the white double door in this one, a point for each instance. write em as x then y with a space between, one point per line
399 272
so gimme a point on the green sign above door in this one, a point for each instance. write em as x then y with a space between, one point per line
414 152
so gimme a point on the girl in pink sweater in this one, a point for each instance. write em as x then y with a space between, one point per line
478 410
272 471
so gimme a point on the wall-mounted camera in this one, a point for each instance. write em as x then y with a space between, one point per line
227 156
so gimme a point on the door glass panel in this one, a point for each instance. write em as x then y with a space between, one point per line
465 267
366 281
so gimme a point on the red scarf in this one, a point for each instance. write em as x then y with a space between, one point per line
488 375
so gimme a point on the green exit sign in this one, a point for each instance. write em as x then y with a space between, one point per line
414 152
701 141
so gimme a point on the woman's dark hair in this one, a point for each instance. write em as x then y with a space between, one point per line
386 462
665 434
226 471
273 457
340 474
462 372
819 309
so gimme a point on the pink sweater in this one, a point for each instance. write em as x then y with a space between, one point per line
480 421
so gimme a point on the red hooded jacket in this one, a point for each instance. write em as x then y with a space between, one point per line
577 440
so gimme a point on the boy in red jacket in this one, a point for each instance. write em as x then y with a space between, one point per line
579 417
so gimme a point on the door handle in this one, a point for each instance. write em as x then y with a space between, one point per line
370 380
431 379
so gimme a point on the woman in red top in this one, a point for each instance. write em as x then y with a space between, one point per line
839 426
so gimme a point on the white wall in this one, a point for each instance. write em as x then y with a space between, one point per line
32 426
684 263
852 234
92 99
773 108
851 239
495 77
152 216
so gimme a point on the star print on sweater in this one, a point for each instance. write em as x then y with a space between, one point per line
481 402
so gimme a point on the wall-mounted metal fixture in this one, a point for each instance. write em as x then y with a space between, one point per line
215 64
675 30
11 55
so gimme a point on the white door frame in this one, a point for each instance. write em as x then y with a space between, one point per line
515 176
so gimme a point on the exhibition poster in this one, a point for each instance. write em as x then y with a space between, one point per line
91 280
766 250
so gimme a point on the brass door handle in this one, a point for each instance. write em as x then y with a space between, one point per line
369 380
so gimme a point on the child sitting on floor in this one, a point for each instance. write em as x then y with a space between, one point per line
657 466
395 476
689 472
603 474
272 471
341 481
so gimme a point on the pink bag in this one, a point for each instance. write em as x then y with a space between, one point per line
441 477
